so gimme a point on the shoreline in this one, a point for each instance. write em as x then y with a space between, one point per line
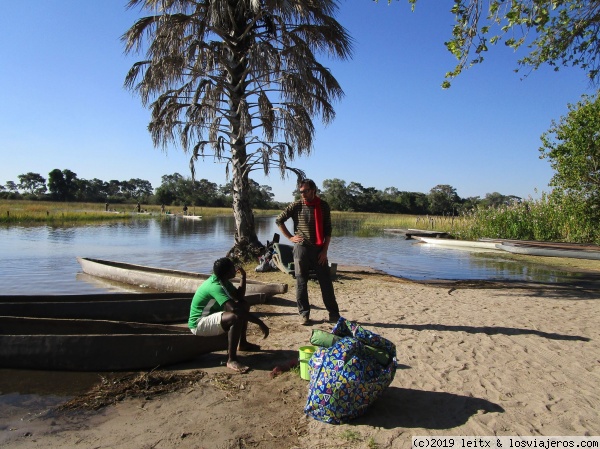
473 360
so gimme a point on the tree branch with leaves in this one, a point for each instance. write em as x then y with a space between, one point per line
560 33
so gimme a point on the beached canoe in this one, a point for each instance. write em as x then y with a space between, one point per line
549 251
96 297
560 245
142 307
165 279
466 244
139 307
97 345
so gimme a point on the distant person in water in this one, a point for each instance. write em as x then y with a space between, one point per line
218 307
185 209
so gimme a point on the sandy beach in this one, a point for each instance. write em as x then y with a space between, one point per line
474 359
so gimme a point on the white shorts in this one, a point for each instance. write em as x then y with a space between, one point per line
209 325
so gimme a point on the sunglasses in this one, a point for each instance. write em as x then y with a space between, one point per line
303 191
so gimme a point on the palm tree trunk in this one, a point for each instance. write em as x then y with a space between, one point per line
246 247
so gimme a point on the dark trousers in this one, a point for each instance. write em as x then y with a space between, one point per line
305 259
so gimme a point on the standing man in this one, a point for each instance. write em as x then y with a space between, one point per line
312 234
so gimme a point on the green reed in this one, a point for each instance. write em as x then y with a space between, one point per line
368 224
550 218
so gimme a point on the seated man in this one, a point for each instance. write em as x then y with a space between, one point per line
219 307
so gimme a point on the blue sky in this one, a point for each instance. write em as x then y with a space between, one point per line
63 105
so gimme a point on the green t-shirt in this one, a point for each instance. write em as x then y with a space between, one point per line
210 298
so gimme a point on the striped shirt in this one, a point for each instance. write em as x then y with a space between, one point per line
303 217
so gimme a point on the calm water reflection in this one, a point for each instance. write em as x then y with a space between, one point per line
41 259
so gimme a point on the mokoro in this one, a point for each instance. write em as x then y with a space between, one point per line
97 345
410 233
191 217
97 297
143 308
467 244
284 259
138 307
561 245
548 251
165 279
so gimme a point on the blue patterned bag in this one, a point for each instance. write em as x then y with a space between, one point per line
347 378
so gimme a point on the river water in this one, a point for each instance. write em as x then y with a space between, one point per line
42 259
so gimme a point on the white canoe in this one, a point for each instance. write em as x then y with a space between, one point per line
548 251
467 244
165 279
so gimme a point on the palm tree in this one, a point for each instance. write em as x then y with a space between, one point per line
238 81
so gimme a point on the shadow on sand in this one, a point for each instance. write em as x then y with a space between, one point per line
401 407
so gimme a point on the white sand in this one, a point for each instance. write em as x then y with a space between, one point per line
473 361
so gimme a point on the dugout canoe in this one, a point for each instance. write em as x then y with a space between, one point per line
166 279
139 307
549 251
96 297
98 345
539 243
410 233
191 217
466 244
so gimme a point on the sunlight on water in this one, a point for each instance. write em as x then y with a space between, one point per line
42 259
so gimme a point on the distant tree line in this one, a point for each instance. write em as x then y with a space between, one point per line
177 190
441 199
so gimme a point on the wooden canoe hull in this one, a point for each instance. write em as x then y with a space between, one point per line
97 345
410 233
165 279
175 310
547 251
138 307
538 243
95 297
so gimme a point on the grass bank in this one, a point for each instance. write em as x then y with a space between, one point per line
50 212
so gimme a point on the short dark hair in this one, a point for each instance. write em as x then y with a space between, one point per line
222 267
310 182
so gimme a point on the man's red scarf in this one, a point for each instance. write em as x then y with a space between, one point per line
319 234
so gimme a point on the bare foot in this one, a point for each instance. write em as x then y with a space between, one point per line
237 366
248 347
